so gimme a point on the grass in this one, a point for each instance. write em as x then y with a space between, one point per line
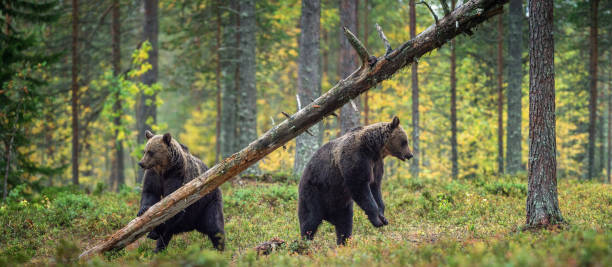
457 223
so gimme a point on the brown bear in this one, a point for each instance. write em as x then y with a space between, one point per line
168 166
346 169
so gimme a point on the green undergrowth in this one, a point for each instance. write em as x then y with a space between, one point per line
431 222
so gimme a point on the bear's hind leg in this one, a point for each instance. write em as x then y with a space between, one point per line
343 221
212 225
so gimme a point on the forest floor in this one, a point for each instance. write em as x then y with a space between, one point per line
431 222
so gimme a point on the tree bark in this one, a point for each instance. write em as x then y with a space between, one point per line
514 93
609 118
366 96
218 83
372 71
453 106
593 89
414 167
146 112
75 92
229 71
500 96
349 114
309 79
542 203
117 165
247 89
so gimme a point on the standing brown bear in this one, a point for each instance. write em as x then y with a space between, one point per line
168 166
347 169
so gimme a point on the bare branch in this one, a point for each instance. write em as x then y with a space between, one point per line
357 45
430 10
384 38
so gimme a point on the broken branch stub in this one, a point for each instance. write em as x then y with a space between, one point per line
358 82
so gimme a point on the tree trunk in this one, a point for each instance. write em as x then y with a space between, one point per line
349 114
146 110
515 78
229 69
309 79
75 92
117 165
414 167
247 90
453 106
372 71
218 83
542 203
609 119
366 96
593 88
500 96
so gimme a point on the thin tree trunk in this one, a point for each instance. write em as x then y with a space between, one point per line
309 79
117 169
247 89
218 83
414 167
229 70
542 202
609 118
593 88
146 112
515 78
500 96
453 106
75 92
349 114
372 71
8 166
366 96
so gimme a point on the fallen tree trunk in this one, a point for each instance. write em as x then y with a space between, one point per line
372 71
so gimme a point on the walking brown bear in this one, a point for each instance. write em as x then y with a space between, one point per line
168 166
349 168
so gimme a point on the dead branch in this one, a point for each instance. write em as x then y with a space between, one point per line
430 10
469 15
384 38
357 45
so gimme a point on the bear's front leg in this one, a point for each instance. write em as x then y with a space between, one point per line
151 191
358 182
377 194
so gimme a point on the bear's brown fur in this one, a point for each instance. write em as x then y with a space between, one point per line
347 169
169 165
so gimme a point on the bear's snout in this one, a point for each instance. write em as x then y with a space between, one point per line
141 164
409 156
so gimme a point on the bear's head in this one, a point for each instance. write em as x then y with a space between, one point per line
161 152
397 143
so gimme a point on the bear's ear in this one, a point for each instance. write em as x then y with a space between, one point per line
167 138
148 134
395 122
